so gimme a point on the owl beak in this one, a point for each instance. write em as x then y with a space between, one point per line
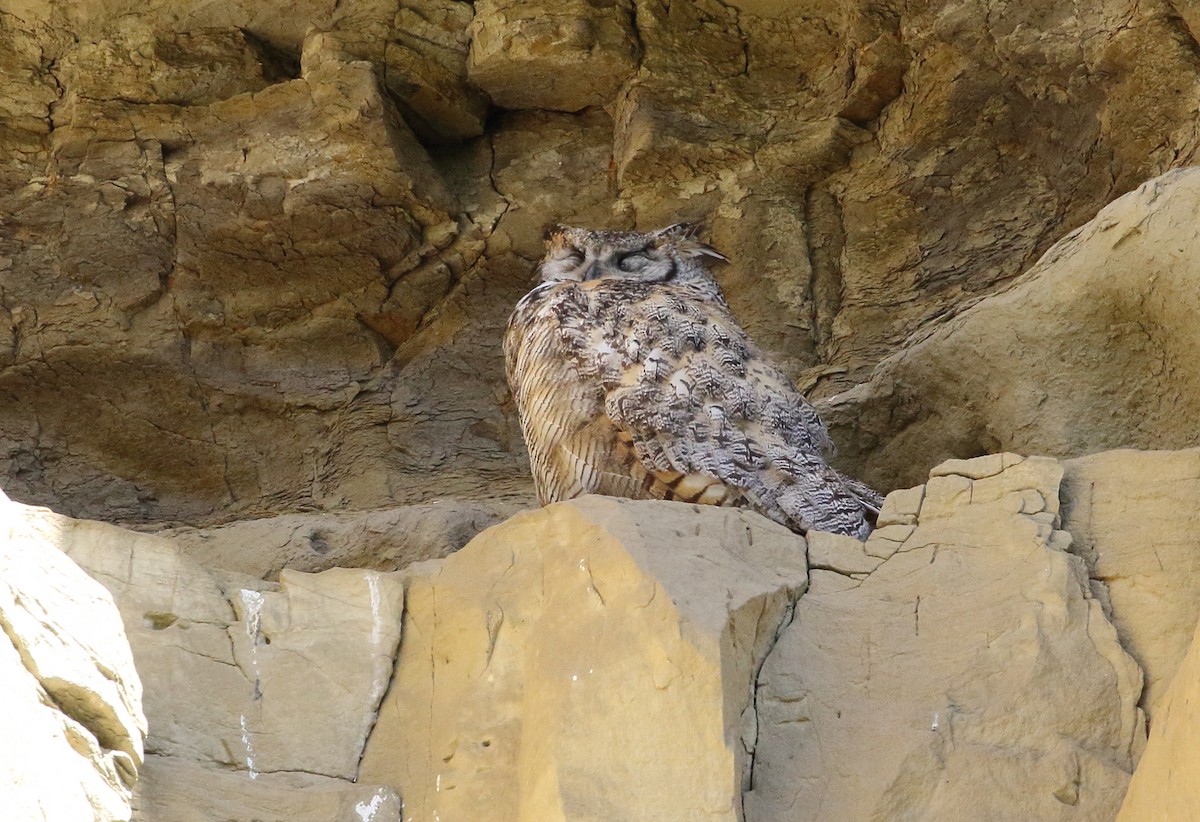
590 273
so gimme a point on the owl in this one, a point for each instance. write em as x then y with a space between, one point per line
633 379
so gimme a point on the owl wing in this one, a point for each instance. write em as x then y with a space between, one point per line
574 448
706 413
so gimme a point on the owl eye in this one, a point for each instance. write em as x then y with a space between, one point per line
632 261
574 255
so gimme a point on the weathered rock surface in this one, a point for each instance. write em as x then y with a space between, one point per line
1166 784
385 540
245 236
246 678
419 48
575 661
179 790
1135 517
1110 312
955 666
72 718
563 56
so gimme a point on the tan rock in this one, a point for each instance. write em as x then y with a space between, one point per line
203 310
135 63
179 790
575 661
1166 785
970 675
869 171
1134 517
442 423
419 50
563 56
1109 311
385 540
280 23
72 698
247 676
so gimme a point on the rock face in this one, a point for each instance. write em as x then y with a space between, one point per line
1110 312
261 695
270 247
1164 787
255 263
386 540
979 658
572 662
1134 516
72 713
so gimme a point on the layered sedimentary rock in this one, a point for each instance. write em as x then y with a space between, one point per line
245 237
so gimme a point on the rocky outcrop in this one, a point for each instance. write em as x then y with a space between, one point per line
385 540
979 656
270 247
993 631
1134 516
72 715
255 263
1166 785
1109 311
575 660
261 694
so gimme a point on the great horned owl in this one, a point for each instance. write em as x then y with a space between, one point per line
632 379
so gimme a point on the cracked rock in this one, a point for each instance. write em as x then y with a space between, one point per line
973 655
576 660
248 677
1134 516
564 56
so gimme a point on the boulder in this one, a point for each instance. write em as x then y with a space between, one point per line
956 666
73 700
577 661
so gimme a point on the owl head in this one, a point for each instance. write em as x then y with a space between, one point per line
671 254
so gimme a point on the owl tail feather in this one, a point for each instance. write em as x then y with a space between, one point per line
871 499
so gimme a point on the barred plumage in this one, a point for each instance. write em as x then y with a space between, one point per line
633 379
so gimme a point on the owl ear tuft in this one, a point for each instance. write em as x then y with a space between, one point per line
552 231
686 243
698 249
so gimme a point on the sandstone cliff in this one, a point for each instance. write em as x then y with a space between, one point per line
644 660
255 260
255 256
